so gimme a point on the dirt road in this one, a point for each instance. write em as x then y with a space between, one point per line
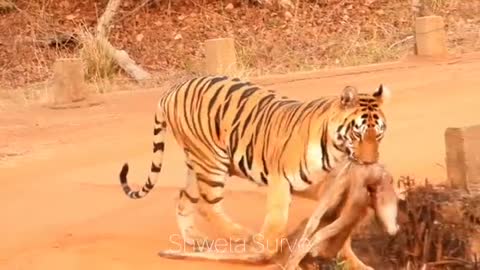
62 206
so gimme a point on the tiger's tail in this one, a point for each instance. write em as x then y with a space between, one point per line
159 130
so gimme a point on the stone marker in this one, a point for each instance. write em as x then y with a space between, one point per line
68 81
69 89
430 36
463 157
220 56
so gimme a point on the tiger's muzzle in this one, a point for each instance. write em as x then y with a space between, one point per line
366 149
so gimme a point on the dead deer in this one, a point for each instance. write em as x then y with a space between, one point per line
344 199
353 189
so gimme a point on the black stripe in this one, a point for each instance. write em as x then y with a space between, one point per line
156 131
155 168
200 131
249 155
325 105
204 132
214 170
123 174
238 114
236 87
263 111
149 184
265 121
339 128
190 198
214 98
270 113
338 147
242 166
286 102
246 122
233 141
158 147
292 114
217 113
300 118
197 91
303 176
225 107
262 103
214 201
210 182
264 162
305 146
216 80
248 92
323 144
202 90
187 88
185 103
217 123
264 178
252 180
285 175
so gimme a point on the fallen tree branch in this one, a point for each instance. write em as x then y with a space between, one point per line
400 42
121 57
106 18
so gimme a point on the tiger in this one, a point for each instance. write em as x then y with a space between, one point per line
227 126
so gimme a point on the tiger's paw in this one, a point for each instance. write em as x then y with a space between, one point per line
238 234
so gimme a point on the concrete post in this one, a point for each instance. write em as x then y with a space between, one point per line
463 157
430 36
69 89
68 81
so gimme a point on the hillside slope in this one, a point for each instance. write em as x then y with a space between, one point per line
166 39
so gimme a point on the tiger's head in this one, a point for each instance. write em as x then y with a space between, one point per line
360 124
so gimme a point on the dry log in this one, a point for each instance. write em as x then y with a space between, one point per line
105 20
121 57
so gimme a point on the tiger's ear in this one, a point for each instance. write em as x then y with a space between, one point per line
382 94
349 97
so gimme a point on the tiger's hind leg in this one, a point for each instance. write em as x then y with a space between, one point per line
211 189
186 208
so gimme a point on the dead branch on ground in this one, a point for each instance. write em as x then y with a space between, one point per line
120 57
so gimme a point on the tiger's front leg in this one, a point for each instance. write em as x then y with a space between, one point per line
273 232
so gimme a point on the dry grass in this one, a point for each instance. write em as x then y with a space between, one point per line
6 6
98 61
315 35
